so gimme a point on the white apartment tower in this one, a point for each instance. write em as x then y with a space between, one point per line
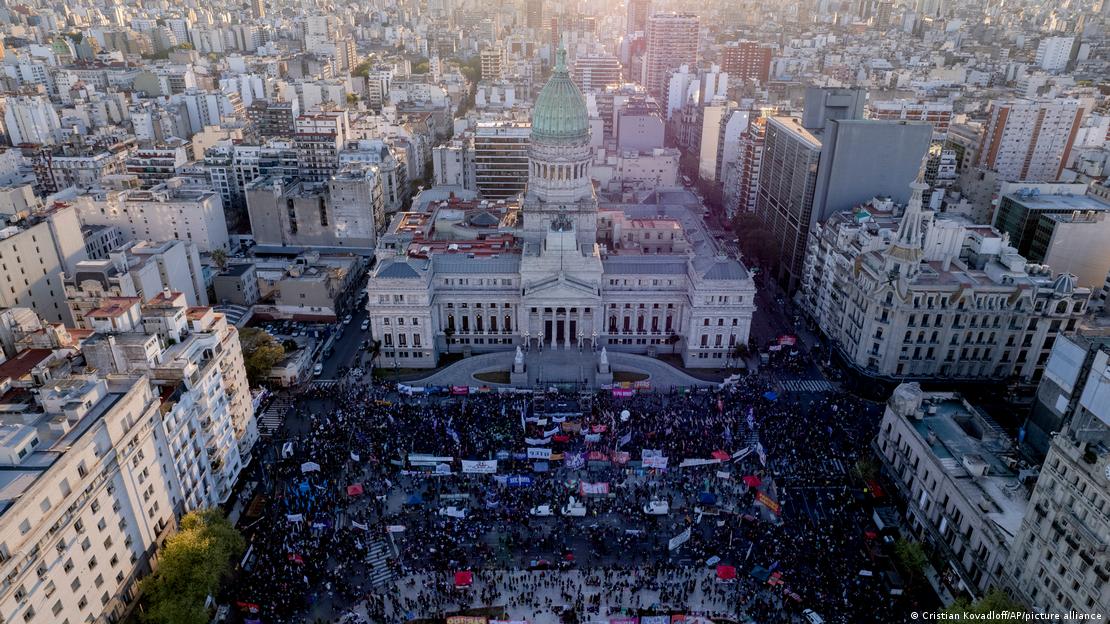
1029 140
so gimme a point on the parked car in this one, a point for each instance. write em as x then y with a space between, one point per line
542 511
318 369
657 508
365 325
347 319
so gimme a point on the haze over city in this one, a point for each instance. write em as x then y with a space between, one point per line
554 311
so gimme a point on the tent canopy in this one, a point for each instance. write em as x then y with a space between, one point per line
726 572
464 578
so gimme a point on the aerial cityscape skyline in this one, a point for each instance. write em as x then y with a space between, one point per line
554 311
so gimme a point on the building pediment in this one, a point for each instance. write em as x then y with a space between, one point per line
562 289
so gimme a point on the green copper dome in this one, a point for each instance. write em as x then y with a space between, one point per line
560 115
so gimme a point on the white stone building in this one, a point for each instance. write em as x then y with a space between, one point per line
88 468
921 297
548 283
166 212
957 470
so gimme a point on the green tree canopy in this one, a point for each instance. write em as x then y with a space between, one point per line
190 567
260 353
911 557
994 601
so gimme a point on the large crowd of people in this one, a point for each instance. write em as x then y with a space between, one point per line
368 512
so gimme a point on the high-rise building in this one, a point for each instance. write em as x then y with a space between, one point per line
501 158
35 252
865 158
533 14
87 566
883 14
638 12
1054 53
593 72
30 120
168 211
258 8
1059 559
672 41
493 61
453 164
787 180
318 138
939 114
273 118
825 103
747 60
742 188
1029 140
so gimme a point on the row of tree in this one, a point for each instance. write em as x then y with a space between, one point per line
191 565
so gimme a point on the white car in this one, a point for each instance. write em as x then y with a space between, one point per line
317 370
365 325
453 512
812 617
574 509
657 508
542 511
347 319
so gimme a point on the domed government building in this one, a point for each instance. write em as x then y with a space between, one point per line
552 271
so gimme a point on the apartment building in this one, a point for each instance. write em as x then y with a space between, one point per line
960 476
1059 563
167 211
918 296
84 459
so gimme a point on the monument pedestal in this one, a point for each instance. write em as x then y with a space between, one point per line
604 376
518 376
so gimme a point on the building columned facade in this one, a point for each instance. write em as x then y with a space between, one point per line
557 284
920 297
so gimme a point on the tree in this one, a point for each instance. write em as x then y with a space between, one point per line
260 353
421 66
449 333
219 258
753 237
911 557
995 601
190 567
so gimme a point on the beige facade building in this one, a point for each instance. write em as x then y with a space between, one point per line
87 465
920 297
958 472
33 255
165 212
